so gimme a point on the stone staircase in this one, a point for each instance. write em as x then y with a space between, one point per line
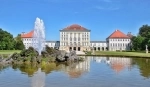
80 53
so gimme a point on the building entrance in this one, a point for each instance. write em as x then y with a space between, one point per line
78 48
70 48
74 48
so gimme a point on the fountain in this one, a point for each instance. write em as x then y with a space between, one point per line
39 35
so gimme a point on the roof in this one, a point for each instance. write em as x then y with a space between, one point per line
118 34
27 35
75 27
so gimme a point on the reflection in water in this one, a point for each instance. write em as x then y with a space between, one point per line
38 79
77 69
99 74
116 63
3 66
119 64
28 69
74 70
144 66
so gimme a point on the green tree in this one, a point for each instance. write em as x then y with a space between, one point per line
137 42
144 31
132 42
19 43
6 40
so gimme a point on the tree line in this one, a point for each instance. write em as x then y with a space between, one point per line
139 42
8 42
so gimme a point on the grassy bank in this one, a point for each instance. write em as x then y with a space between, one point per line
9 51
122 54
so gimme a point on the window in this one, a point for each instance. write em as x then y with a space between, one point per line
115 44
70 44
75 43
82 43
78 38
79 35
74 39
79 43
74 34
83 39
83 35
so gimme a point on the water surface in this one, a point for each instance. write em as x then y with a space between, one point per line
93 72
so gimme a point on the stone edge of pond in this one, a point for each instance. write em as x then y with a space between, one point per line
117 56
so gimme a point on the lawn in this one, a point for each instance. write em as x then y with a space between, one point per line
129 54
9 51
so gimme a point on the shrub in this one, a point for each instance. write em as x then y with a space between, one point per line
87 52
49 50
29 52
16 56
44 54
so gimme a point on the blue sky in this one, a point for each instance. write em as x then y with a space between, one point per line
102 17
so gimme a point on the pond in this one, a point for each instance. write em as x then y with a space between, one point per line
93 72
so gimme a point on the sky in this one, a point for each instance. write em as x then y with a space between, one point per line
102 17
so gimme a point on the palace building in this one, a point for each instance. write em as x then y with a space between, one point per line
76 37
27 39
118 41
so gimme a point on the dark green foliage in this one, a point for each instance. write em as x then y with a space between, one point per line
7 41
44 54
16 56
19 43
137 43
29 52
49 50
144 31
140 41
